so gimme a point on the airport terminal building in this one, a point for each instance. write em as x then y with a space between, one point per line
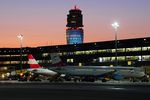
130 52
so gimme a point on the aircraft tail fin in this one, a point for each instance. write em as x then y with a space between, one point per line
32 62
56 60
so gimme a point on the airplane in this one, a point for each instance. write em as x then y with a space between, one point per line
92 73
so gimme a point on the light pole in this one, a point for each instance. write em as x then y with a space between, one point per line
115 25
20 37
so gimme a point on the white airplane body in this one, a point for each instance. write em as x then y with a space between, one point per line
42 71
96 71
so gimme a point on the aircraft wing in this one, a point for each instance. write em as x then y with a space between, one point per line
34 71
108 74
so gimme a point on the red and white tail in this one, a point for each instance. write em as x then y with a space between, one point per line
32 62
56 60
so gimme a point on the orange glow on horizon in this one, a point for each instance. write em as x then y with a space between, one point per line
44 22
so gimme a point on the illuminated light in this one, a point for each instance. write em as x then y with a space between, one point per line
80 64
3 76
62 75
73 21
115 88
5 68
21 74
100 59
115 25
140 58
74 36
8 74
104 67
68 60
111 66
20 36
129 62
72 60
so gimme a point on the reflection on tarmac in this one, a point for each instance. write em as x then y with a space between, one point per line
96 82
117 85
112 90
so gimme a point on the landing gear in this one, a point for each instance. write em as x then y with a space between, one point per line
145 79
56 79
104 80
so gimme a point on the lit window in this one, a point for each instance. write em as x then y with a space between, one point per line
68 60
100 59
73 21
146 49
80 64
133 49
140 58
45 54
71 60
146 58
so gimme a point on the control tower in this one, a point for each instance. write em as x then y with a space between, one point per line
74 32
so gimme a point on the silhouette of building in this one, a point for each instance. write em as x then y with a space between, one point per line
131 52
74 32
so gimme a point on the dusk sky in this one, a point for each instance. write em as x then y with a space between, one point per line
43 22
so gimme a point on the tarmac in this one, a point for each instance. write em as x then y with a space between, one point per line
113 90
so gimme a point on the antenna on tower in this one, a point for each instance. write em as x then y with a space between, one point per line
75 6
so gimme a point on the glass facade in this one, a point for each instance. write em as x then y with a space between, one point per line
74 36
98 53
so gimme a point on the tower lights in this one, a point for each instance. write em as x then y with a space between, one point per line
20 37
115 25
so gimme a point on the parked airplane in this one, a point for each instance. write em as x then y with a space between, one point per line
36 68
92 73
